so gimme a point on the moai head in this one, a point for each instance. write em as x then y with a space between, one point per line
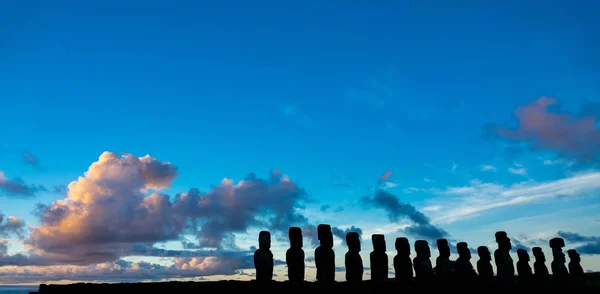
402 246
503 241
557 244
264 240
573 256
324 235
463 250
422 249
378 242
443 248
353 241
295 235
538 254
484 253
523 255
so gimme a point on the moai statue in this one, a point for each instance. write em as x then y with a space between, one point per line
463 266
575 269
402 264
443 266
523 268
354 264
324 255
422 262
263 258
294 256
379 259
484 265
540 274
559 270
504 263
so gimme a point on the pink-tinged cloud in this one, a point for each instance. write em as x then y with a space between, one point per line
384 177
570 135
11 226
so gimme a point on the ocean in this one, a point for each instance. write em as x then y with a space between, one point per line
17 289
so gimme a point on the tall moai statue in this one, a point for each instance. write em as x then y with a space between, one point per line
540 270
294 256
422 263
403 266
575 269
324 255
559 270
484 265
263 258
504 263
443 265
523 269
379 259
354 264
463 267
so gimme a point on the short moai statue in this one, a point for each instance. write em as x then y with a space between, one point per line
559 270
443 265
463 267
324 255
379 259
504 262
540 270
354 264
523 268
403 266
575 269
294 256
422 263
263 258
484 265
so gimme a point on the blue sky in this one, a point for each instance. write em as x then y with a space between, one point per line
331 94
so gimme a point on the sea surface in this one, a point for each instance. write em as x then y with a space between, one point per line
18 289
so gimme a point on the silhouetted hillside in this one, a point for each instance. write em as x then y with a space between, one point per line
592 281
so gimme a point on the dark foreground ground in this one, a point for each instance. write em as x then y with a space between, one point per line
247 287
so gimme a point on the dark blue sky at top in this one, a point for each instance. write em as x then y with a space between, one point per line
323 90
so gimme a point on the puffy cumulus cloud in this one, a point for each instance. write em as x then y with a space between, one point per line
106 212
398 211
573 136
11 226
125 271
16 187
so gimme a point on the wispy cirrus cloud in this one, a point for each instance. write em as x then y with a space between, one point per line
467 201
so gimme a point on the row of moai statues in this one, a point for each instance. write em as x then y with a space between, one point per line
445 271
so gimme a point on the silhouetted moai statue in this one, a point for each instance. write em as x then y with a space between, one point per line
463 267
443 265
523 268
540 274
575 269
484 265
559 270
324 255
294 256
263 258
354 264
422 263
402 264
504 263
379 259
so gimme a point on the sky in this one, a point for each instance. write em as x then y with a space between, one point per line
152 140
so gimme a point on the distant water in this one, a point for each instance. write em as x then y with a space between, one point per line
18 289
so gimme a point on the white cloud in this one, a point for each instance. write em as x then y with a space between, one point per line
469 201
518 171
488 168
427 180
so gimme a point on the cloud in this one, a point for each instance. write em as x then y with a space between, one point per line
299 117
397 211
384 177
325 207
518 171
591 245
572 136
16 187
488 168
11 226
31 159
469 201
341 233
3 247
